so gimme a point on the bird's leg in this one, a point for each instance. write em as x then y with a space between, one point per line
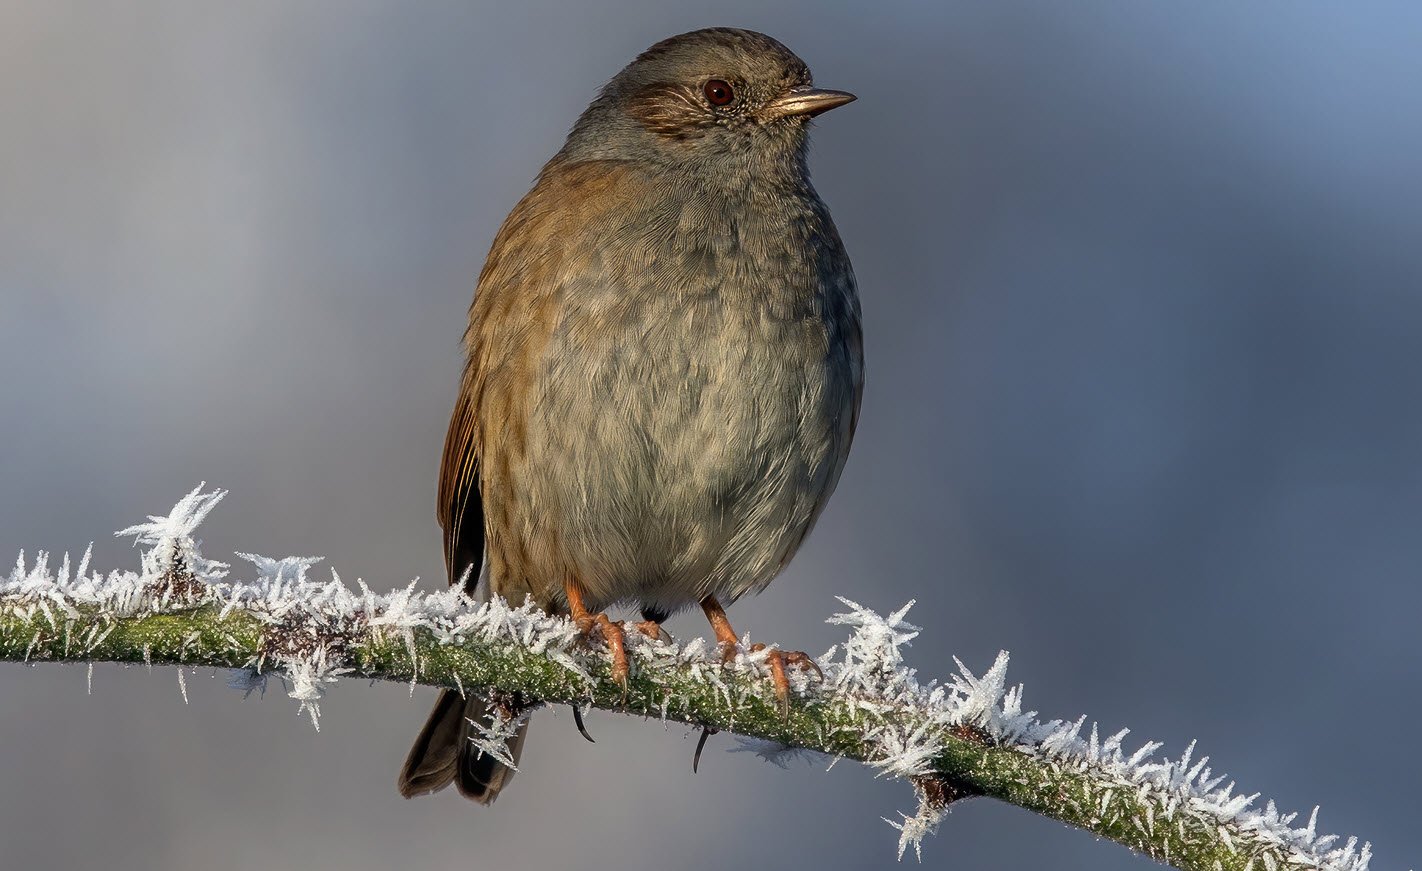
776 659
725 635
590 624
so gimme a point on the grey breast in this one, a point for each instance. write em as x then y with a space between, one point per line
696 394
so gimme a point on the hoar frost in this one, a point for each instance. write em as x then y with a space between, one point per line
310 628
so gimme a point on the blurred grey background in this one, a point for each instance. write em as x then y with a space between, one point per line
1142 289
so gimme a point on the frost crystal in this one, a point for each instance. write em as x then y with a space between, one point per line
915 828
495 736
775 752
871 665
900 727
170 538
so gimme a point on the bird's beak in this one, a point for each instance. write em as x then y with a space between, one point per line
808 101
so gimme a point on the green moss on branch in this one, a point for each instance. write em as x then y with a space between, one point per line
696 692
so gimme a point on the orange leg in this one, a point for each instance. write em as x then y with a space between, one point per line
776 660
590 624
719 624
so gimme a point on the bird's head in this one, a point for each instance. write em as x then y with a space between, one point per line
711 101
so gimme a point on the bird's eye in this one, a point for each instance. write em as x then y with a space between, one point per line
718 93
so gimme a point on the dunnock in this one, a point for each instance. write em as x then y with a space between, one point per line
664 367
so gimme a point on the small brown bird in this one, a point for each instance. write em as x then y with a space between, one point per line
664 367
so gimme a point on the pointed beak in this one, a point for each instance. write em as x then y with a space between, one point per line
808 101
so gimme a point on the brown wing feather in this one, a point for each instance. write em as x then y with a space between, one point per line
516 308
460 508
498 319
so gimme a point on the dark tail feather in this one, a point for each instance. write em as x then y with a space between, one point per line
443 753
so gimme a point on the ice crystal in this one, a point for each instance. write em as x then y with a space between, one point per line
495 734
913 829
170 537
777 753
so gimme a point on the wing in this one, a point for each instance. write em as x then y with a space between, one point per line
514 311
460 508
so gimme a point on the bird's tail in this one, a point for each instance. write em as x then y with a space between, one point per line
444 754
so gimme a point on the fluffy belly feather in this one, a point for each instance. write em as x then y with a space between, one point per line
682 463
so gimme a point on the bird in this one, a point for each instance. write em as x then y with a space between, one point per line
664 368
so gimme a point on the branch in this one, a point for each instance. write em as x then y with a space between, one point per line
967 737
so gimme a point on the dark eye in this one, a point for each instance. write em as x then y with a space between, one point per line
718 93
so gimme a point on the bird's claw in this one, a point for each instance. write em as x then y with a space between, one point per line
614 636
706 732
578 721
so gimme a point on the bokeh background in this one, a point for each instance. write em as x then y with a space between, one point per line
1142 288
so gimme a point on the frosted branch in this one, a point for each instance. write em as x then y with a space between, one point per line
963 738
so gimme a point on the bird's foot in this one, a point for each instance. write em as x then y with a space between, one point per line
610 632
777 661
652 629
